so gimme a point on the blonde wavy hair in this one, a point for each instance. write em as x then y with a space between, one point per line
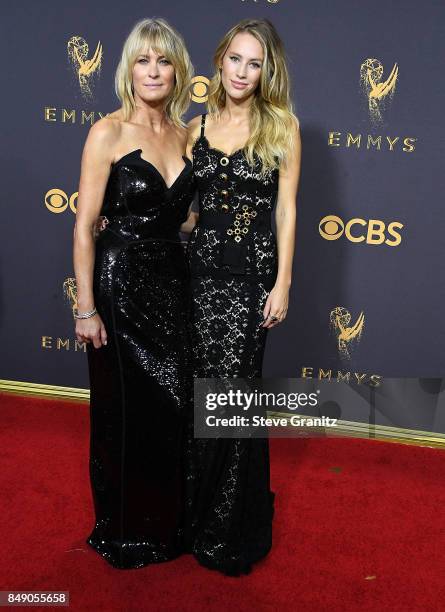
272 120
164 40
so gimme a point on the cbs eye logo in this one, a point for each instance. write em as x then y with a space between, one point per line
199 89
372 231
57 201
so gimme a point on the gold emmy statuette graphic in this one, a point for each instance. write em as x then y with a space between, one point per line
70 292
340 319
84 68
376 90
199 86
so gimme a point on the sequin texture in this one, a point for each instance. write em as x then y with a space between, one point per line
141 380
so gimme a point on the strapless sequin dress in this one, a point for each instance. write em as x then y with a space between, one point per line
141 381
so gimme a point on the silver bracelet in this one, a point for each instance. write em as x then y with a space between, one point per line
85 315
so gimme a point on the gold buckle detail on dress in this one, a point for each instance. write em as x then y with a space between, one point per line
240 227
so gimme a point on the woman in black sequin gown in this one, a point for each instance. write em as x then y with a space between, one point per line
240 280
138 343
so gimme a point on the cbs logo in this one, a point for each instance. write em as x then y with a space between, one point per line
372 231
57 201
199 89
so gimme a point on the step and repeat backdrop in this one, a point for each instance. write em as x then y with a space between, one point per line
368 87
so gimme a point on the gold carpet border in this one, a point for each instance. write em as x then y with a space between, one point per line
27 388
350 429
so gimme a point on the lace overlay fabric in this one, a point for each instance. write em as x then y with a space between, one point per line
229 503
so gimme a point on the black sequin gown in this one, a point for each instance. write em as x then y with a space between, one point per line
141 380
229 502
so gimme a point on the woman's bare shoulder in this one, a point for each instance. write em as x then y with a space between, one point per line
107 130
193 126
102 140
194 122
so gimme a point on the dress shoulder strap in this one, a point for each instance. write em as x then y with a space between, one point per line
203 123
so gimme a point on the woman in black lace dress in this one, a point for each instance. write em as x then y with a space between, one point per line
246 158
132 294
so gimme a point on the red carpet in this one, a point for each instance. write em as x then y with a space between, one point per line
360 525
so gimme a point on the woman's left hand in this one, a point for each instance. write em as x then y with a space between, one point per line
276 306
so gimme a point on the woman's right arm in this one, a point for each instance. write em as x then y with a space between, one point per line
95 170
193 128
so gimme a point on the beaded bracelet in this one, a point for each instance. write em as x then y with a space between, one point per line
85 315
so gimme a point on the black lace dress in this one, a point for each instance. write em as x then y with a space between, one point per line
140 381
233 262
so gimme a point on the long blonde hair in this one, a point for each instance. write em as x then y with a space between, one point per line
165 40
272 120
